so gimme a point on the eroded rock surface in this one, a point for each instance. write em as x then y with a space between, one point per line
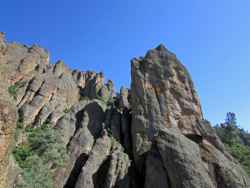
167 120
152 135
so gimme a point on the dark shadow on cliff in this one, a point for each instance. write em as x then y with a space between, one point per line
80 162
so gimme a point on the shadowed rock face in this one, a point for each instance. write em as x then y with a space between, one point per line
152 135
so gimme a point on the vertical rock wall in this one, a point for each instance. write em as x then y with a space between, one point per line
152 135
171 140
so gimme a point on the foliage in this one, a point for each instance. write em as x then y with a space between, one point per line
231 120
245 137
21 153
19 124
13 91
43 150
236 140
19 127
40 138
55 153
36 174
229 131
242 154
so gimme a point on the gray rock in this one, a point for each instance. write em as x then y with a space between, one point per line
2 41
124 98
59 68
166 114
153 135
117 174
98 155
156 174
182 161
80 145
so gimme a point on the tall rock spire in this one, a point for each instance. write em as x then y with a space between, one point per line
69 129
170 138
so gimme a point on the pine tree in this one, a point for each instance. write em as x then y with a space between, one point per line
231 120
231 129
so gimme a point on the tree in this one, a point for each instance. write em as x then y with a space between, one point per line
231 120
236 140
231 131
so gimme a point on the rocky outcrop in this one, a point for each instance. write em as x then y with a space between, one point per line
8 118
167 121
152 135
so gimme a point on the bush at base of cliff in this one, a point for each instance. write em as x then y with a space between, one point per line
42 152
242 154
35 174
21 153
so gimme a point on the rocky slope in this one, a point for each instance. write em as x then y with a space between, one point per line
69 129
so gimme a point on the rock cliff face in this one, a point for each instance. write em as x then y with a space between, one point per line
84 135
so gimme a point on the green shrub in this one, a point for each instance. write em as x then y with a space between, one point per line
19 124
17 133
44 147
40 139
13 91
55 153
19 127
45 141
21 153
242 154
36 174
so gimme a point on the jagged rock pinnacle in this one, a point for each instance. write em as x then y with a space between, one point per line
73 131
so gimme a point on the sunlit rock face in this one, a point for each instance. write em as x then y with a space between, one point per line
163 95
84 135
171 140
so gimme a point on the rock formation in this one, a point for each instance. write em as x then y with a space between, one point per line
87 136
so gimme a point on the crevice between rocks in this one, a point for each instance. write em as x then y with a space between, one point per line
100 176
80 162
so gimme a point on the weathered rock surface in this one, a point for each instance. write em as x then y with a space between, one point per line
152 135
167 120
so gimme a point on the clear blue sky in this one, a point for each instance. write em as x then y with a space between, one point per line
212 38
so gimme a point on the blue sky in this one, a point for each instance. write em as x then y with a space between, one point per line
211 38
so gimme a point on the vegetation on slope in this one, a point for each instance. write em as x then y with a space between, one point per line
236 140
13 89
38 156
